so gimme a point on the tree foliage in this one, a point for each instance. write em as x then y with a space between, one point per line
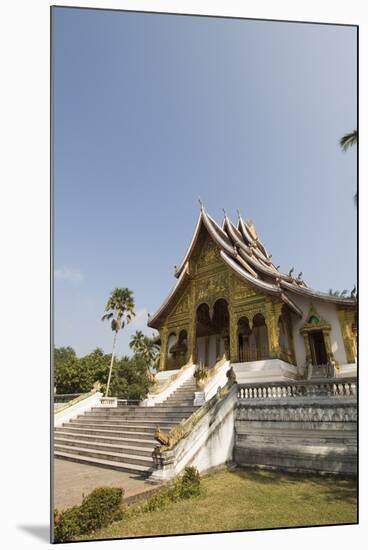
72 374
146 348
348 140
119 308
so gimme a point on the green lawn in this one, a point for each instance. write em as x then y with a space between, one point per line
245 499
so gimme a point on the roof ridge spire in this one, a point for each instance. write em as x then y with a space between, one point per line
200 203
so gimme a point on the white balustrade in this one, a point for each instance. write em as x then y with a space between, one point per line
282 390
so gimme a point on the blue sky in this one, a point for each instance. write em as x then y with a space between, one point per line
152 111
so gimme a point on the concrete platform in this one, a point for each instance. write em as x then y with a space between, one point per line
72 481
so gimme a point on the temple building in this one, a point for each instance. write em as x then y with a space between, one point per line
230 300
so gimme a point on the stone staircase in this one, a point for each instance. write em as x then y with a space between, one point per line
183 396
122 438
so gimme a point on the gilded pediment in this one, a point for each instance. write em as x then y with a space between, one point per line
182 307
209 256
241 290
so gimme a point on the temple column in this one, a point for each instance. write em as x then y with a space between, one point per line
272 313
289 328
192 340
327 340
163 349
233 336
218 341
348 337
206 351
308 352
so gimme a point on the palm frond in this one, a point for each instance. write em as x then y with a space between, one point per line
107 316
348 140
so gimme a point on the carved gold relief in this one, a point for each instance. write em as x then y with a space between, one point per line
209 255
182 306
211 287
240 290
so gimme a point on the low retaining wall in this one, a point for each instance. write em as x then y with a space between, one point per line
305 426
268 370
82 404
209 444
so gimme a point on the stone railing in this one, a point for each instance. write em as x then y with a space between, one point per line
77 406
62 398
189 442
337 387
215 378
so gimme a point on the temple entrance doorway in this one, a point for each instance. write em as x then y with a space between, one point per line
212 333
318 347
252 342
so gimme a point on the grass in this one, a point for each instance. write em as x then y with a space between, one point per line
246 499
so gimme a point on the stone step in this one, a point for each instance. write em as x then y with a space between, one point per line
132 419
106 455
164 412
125 410
113 424
143 471
179 403
111 439
127 449
179 399
188 391
144 433
124 427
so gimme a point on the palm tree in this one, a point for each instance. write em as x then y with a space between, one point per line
146 347
136 341
348 140
120 309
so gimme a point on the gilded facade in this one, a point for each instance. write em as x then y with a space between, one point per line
231 300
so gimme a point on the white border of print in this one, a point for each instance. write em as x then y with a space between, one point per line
25 227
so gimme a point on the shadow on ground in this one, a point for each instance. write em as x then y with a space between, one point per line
334 487
40 532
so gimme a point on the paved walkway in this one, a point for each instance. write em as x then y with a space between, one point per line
72 481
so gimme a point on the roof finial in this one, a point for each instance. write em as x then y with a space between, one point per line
224 211
238 211
200 203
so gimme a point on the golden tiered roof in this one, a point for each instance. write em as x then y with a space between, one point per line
243 252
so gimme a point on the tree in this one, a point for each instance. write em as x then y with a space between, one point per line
120 309
145 347
347 141
130 378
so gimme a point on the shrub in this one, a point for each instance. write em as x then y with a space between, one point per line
98 509
190 482
66 524
158 500
185 486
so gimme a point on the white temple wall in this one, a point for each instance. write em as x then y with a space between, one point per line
329 313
